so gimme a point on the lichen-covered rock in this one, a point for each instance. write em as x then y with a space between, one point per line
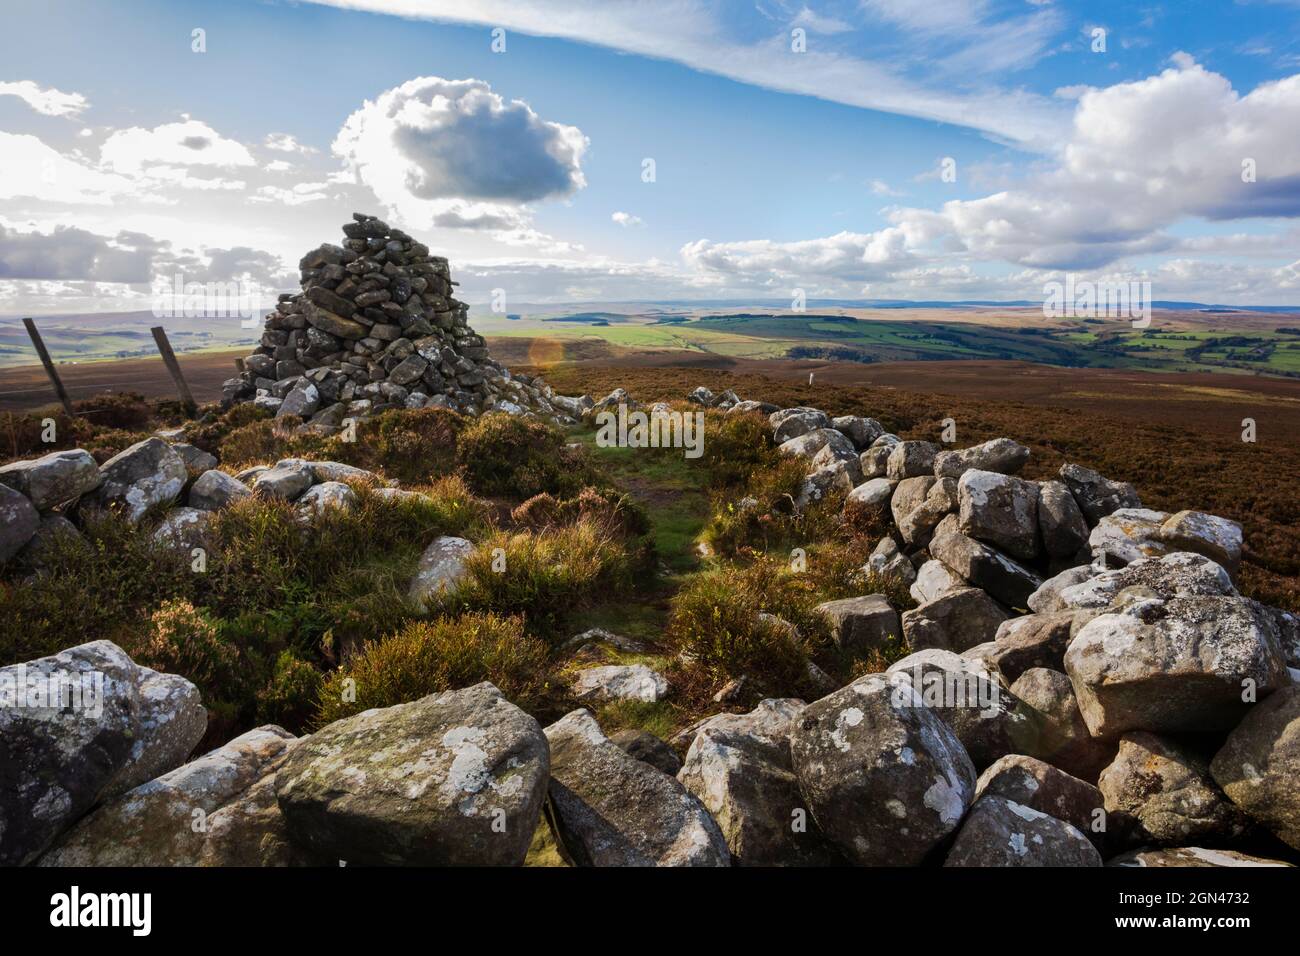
1048 596
862 624
934 579
739 767
910 459
999 832
889 566
808 444
165 822
77 726
1158 791
984 567
917 518
968 696
19 522
859 430
286 481
54 478
871 496
1035 640
1001 455
197 461
442 566
1258 766
1060 522
886 780
1127 535
607 808
214 490
1000 510
1097 496
455 778
1040 786
148 473
183 529
619 682
1171 666
1181 574
1190 856
1065 741
957 621
792 422
318 499
1217 538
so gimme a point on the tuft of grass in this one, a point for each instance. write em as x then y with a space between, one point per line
426 657
503 455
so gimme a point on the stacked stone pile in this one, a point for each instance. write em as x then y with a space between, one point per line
376 326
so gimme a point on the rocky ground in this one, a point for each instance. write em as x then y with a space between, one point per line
881 652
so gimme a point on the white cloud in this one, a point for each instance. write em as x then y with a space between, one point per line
453 153
881 188
50 102
626 219
31 169
295 196
188 143
285 143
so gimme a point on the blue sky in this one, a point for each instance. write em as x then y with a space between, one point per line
795 145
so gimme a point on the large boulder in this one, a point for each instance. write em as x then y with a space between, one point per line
79 726
967 695
1170 666
214 490
956 621
1097 496
889 566
184 529
910 459
607 808
792 422
441 568
1000 510
918 519
1035 640
859 430
1060 522
1258 766
739 766
862 624
934 579
286 481
1158 791
1047 789
19 522
999 832
1217 538
455 778
1127 535
808 444
886 780
148 473
54 478
1047 597
165 822
1181 574
1065 741
1002 455
984 567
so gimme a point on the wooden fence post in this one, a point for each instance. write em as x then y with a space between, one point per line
169 359
49 366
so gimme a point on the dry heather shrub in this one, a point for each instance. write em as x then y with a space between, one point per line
772 523
547 574
612 510
518 458
714 622
183 640
443 654
736 447
290 696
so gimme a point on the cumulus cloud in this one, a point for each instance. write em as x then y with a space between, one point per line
31 169
437 151
626 219
285 143
295 196
49 101
189 143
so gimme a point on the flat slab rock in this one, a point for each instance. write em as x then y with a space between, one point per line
1190 856
607 808
1040 786
453 779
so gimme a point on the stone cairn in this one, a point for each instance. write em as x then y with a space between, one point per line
376 327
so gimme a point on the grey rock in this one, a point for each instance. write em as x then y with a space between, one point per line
793 422
1047 789
1001 455
328 495
809 443
148 473
984 567
1035 640
214 490
859 430
452 779
1000 510
285 482
1060 522
184 529
1097 496
909 459
607 808
934 579
1258 766
442 566
54 478
862 624
955 621
1127 535
1219 539
1065 741
999 832
1190 856
648 748
19 522
619 682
